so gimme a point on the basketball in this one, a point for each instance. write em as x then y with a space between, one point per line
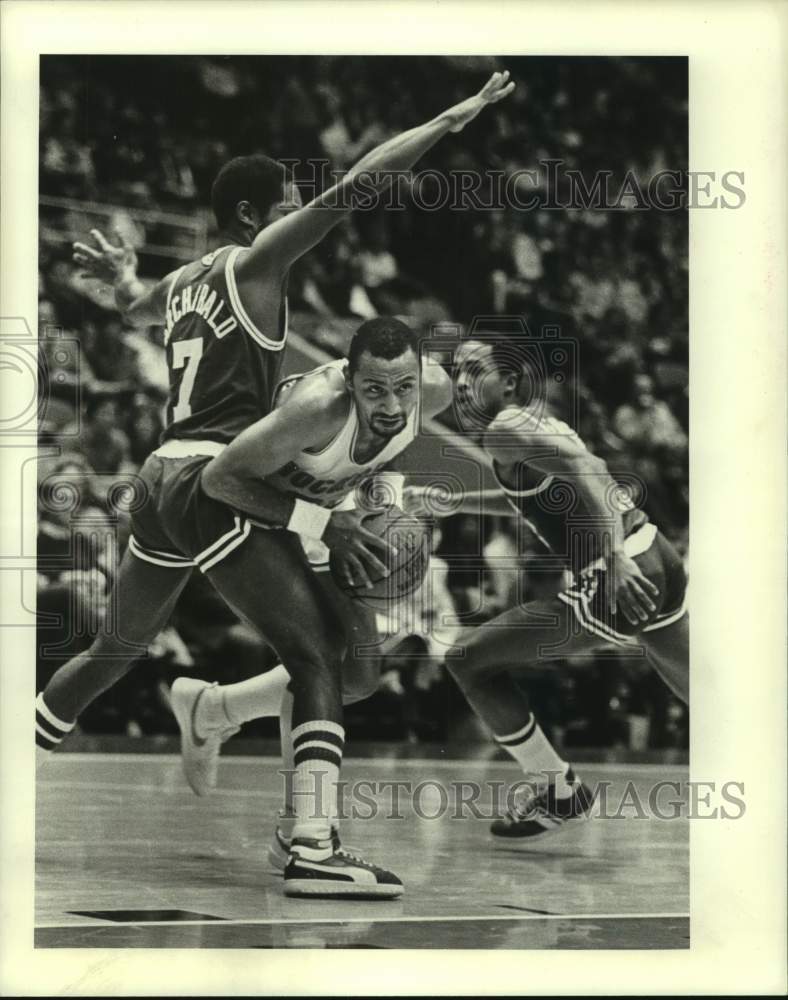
412 538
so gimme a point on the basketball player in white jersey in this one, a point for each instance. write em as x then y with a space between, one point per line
332 431
225 322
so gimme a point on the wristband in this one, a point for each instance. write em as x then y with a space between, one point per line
392 488
309 519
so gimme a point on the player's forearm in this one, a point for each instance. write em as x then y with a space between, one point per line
402 151
128 288
490 503
439 504
247 494
597 488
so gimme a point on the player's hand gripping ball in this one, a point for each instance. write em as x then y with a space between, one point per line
411 537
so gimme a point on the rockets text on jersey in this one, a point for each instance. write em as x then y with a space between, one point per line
223 368
326 477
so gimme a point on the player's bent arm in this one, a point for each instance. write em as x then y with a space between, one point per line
417 500
139 305
277 247
237 475
551 447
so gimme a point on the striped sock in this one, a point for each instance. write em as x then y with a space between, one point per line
536 755
317 757
49 730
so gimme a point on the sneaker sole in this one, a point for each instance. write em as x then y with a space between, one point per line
310 887
549 831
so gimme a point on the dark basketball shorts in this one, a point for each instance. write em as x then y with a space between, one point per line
659 562
180 527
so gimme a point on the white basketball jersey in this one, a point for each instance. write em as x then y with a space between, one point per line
328 476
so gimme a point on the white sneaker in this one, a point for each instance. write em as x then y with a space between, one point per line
200 757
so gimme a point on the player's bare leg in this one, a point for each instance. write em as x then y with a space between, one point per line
140 605
360 676
481 665
288 607
668 653
228 706
519 637
221 709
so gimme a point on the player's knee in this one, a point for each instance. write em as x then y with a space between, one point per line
314 658
117 655
360 680
466 662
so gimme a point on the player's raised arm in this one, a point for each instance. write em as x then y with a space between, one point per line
139 305
283 242
237 477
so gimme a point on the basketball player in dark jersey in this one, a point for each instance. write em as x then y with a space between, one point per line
224 328
627 588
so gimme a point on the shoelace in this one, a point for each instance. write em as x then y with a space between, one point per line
531 805
349 856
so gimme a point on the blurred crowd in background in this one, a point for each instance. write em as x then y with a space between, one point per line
132 144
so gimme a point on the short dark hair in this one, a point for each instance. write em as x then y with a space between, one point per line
511 354
257 179
382 337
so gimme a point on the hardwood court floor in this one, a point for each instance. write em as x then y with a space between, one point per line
128 857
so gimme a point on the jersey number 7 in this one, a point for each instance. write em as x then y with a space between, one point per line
186 353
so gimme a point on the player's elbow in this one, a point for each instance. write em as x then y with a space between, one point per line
219 480
583 463
438 390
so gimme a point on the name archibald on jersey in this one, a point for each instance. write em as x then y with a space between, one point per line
202 300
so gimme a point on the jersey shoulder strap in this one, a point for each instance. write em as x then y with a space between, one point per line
287 384
240 312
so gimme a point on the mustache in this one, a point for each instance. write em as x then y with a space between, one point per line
390 423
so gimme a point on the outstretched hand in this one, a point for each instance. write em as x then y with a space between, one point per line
496 88
108 262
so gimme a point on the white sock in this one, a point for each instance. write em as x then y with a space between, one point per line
536 756
287 816
50 730
317 757
233 704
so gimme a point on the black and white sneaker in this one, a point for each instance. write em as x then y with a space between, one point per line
317 868
279 848
536 812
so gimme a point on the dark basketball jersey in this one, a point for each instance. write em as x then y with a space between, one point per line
554 509
223 369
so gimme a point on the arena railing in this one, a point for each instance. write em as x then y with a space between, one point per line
55 212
